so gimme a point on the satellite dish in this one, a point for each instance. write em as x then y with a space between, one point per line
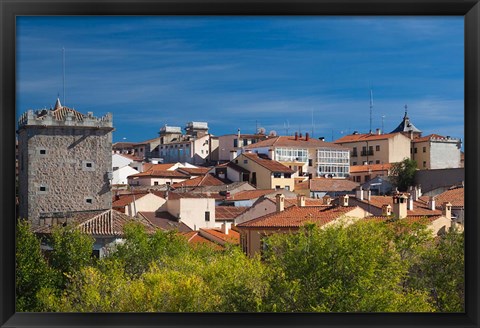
272 133
261 131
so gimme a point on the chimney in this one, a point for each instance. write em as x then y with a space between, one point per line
379 131
321 138
326 200
386 210
367 194
431 203
296 135
344 200
359 193
226 227
301 201
410 203
307 136
400 206
447 210
280 202
300 135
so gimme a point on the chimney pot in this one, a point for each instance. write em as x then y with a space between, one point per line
280 202
301 201
296 135
307 136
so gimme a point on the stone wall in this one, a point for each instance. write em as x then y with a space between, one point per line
64 169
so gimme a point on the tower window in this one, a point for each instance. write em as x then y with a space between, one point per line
43 188
88 166
43 151
89 201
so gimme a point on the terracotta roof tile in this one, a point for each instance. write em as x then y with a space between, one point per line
427 138
289 141
158 167
325 184
251 194
195 238
124 200
295 217
365 137
419 207
228 212
455 196
205 180
194 170
159 174
100 223
267 163
233 237
165 221
370 167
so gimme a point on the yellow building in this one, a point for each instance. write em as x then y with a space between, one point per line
265 173
368 148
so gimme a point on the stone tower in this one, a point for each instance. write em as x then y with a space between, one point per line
65 162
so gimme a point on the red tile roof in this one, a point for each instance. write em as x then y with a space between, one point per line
429 137
455 196
370 167
159 174
325 184
420 208
165 221
233 237
158 167
194 170
251 194
289 141
195 238
206 180
100 223
269 164
124 200
295 217
228 212
365 137
60 113
179 195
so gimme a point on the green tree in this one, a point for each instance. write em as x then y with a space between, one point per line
31 269
403 174
441 272
71 251
343 269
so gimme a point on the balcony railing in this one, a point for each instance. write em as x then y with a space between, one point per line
367 153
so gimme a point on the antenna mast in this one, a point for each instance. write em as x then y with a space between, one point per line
371 107
312 123
63 53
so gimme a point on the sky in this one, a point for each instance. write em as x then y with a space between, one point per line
286 74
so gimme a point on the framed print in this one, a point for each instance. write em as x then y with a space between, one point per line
208 132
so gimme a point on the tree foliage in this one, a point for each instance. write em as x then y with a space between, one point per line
403 174
363 267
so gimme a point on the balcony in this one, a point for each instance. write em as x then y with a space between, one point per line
366 153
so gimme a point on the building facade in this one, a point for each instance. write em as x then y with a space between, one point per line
306 156
65 160
436 152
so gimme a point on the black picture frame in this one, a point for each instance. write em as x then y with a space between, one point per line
9 9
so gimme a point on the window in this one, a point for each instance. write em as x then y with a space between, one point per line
354 163
424 164
310 162
235 143
43 188
354 152
43 151
415 150
245 142
167 183
287 175
277 174
245 161
207 216
277 187
377 148
89 165
141 149
155 183
357 178
89 201
287 187
377 161
115 168
424 149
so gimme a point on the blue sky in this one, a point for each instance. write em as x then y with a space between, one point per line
243 72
